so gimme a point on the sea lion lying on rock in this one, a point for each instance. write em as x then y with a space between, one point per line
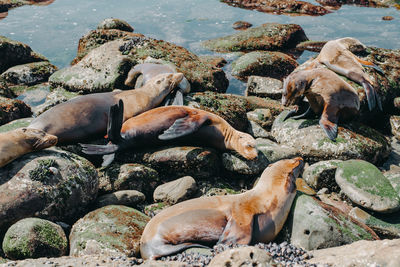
176 123
251 217
327 95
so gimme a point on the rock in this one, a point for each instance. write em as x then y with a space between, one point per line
257 131
56 96
393 161
309 139
241 25
175 191
263 117
34 95
215 61
314 46
12 109
303 187
322 174
393 176
181 161
15 124
264 87
387 18
29 74
315 225
128 198
395 125
269 36
108 230
387 229
51 184
129 177
262 63
155 208
361 253
154 263
280 7
117 24
5 90
239 165
365 185
396 103
14 53
273 151
34 238
243 256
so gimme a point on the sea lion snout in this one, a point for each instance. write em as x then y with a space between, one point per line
39 139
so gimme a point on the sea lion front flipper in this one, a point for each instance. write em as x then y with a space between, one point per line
178 99
184 126
306 115
329 120
236 234
370 93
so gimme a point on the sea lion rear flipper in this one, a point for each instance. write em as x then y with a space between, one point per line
329 120
370 93
236 234
115 120
184 126
107 159
178 99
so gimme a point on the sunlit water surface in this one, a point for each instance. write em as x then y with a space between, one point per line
54 30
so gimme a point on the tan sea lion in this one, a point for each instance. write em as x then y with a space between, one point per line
18 142
150 70
327 94
85 117
251 217
175 123
337 56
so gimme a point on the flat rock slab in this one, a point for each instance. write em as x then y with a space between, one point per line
269 36
354 141
365 185
109 230
175 191
362 253
264 87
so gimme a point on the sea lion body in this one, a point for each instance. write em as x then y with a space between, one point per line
327 95
85 117
254 216
178 124
18 142
337 56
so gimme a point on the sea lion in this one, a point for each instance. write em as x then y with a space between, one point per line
337 56
18 142
251 217
85 117
327 94
150 70
177 123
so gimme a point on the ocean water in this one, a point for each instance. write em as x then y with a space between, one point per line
54 30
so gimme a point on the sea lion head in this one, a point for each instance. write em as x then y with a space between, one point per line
168 81
38 139
352 44
290 169
247 146
293 87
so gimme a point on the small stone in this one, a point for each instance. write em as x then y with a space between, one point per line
175 191
237 164
117 24
241 25
130 198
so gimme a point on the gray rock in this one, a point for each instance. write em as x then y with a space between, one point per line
117 24
52 184
154 263
264 87
268 36
241 257
128 198
110 230
237 164
155 208
268 64
262 116
362 253
175 191
365 185
12 109
56 96
29 74
15 124
322 174
393 161
395 125
273 151
314 226
309 139
394 178
34 238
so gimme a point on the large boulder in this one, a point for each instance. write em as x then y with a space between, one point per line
269 36
51 184
108 230
354 140
29 74
12 109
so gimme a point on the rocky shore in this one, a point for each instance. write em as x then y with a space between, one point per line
59 207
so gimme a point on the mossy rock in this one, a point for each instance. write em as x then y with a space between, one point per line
34 238
12 109
15 124
29 73
366 186
322 175
269 36
354 140
112 229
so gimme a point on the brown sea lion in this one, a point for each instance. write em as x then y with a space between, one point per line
85 117
251 217
337 56
327 94
18 142
177 123
150 70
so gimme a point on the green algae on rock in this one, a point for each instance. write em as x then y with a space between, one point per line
109 230
15 124
263 63
322 174
29 73
34 238
366 186
269 36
